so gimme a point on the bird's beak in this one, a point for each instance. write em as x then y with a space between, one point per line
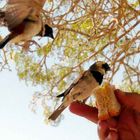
109 69
51 36
106 67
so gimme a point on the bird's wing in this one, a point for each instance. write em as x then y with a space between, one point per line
40 2
15 14
15 1
31 3
66 92
19 10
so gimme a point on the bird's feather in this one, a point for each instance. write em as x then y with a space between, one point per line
40 2
4 42
98 76
15 15
18 10
66 92
57 112
2 14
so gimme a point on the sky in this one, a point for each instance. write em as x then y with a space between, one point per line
18 122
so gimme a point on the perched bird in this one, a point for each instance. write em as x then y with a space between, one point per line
23 19
83 87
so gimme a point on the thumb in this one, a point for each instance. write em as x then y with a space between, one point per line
128 99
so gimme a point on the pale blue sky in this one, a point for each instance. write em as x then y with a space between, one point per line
17 122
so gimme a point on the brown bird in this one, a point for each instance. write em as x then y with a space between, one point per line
23 19
83 87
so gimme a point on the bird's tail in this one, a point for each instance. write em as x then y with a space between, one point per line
57 112
60 95
5 41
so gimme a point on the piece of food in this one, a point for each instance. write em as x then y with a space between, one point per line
106 102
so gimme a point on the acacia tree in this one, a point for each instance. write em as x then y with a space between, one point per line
85 31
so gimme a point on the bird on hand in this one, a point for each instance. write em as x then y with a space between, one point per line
24 21
83 87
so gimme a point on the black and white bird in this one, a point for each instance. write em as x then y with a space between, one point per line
24 21
83 87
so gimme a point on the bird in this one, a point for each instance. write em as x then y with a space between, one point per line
24 21
82 87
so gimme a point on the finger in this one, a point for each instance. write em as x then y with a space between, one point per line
83 110
107 130
131 100
103 130
113 135
112 123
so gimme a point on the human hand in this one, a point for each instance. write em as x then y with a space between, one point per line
126 126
